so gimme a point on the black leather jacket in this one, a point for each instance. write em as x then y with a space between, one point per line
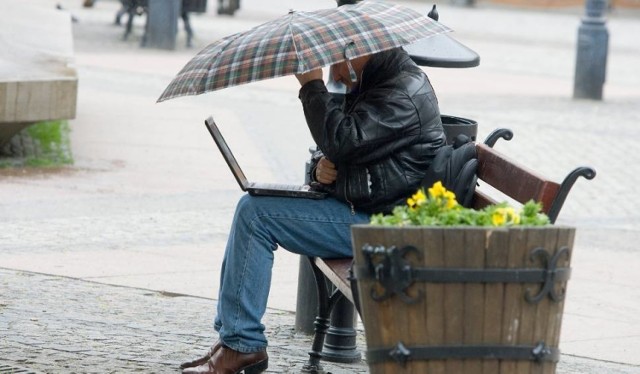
384 137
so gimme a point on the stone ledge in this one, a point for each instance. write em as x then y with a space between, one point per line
38 81
38 100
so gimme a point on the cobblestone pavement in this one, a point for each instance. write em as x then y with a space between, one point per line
61 325
55 324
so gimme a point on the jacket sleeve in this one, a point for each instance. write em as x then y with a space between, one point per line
313 164
378 122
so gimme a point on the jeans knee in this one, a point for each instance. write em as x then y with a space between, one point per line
245 205
247 208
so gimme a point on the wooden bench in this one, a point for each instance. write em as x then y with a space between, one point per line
333 276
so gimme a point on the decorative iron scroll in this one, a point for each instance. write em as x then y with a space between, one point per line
395 274
550 275
402 354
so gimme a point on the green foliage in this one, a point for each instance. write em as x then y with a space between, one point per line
44 144
439 208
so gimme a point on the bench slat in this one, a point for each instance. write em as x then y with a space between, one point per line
516 181
337 270
481 200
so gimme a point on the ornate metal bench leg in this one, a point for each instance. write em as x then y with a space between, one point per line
325 304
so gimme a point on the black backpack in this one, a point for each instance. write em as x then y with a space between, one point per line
455 166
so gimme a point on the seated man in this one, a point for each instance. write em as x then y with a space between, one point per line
376 148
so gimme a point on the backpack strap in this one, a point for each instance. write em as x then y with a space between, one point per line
456 168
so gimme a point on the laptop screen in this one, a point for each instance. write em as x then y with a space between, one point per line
226 153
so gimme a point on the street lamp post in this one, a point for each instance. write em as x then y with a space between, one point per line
591 60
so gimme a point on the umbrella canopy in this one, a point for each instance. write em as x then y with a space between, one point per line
300 42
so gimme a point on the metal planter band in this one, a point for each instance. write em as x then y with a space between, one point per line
402 354
394 274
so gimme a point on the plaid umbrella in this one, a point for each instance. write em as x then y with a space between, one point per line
300 42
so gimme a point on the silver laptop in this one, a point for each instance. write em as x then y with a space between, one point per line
254 188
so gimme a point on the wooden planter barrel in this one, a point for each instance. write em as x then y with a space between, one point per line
462 300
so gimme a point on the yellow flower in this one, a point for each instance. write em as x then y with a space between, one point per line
437 190
417 199
497 218
505 216
442 197
512 216
451 200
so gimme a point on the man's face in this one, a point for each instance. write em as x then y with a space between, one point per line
340 73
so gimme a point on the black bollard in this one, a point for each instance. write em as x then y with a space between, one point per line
591 60
340 341
162 24
307 298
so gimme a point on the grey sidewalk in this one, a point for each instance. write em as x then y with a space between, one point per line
59 325
144 212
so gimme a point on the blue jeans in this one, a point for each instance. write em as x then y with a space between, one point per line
319 228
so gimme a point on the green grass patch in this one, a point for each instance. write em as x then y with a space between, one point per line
44 144
54 145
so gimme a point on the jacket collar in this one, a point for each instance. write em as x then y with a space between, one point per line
383 66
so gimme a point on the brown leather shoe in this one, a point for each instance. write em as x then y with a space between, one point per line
203 359
228 361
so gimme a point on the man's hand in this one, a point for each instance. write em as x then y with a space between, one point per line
309 76
326 172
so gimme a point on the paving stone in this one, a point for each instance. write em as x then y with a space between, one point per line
72 333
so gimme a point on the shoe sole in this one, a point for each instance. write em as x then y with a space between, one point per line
256 368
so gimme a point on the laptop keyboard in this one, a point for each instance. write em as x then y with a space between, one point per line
280 186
